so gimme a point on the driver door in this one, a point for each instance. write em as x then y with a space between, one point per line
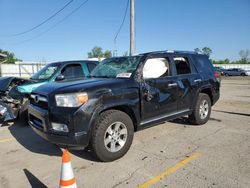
158 89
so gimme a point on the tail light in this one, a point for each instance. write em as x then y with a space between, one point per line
217 75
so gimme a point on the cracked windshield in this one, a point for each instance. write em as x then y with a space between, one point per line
122 67
46 72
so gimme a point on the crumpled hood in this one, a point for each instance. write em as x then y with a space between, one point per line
6 81
28 88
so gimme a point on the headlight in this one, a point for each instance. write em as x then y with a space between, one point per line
71 99
3 110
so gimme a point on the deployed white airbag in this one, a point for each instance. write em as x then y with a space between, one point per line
154 68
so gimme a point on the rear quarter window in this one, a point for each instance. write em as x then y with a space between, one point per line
203 64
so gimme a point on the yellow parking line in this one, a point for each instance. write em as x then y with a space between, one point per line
169 171
6 140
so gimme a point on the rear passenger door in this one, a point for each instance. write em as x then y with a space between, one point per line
188 81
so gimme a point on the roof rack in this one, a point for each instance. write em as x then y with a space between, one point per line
170 51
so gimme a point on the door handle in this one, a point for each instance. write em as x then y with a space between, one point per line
172 85
197 80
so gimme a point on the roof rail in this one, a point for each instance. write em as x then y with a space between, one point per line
186 52
170 51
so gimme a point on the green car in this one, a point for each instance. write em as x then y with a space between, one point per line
67 70
14 92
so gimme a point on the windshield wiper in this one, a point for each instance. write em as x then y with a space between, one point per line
92 76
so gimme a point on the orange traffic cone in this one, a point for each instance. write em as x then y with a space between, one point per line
67 177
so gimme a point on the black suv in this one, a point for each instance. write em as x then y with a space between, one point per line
124 94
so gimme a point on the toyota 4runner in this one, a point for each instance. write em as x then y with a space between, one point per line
122 95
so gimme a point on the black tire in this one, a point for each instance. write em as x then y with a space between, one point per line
226 74
198 117
243 74
105 121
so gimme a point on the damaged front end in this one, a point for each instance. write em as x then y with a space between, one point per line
11 101
6 113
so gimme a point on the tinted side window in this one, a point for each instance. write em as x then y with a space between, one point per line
203 64
182 65
91 66
72 71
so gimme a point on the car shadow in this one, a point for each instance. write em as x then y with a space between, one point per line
86 154
181 121
31 141
34 143
185 121
233 113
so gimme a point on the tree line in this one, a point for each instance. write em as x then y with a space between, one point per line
244 56
97 52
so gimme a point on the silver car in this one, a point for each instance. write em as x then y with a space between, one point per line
235 72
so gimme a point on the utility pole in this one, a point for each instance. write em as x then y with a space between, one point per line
132 27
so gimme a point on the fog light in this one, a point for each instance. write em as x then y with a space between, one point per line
60 127
3 110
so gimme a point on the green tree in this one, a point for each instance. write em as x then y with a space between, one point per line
244 59
97 52
10 57
207 51
107 54
197 50
225 61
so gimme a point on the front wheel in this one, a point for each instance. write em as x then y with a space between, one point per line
112 135
202 111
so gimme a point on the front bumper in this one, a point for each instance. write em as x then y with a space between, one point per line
39 120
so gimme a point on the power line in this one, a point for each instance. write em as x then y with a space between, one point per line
53 26
123 20
42 23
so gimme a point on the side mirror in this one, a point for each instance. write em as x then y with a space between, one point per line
59 77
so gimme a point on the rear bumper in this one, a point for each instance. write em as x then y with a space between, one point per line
40 122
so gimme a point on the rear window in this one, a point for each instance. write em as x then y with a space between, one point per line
203 64
182 65
91 66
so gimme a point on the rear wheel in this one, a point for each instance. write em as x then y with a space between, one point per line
202 111
243 74
112 135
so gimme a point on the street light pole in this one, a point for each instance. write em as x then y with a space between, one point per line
132 27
